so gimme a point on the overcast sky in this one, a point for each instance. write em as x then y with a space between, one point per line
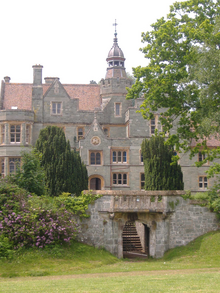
72 38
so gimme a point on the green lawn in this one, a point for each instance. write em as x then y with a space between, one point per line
183 282
192 268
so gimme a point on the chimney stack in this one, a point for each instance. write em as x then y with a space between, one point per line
7 79
37 74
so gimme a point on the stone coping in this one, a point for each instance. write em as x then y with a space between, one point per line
137 192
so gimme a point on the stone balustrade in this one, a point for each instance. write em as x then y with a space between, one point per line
140 201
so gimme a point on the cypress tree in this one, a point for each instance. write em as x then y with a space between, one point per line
64 170
160 174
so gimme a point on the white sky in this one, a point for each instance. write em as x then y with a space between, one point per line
72 38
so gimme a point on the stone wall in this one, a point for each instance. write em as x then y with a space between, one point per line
178 223
189 222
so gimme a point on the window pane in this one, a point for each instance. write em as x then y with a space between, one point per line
114 178
3 134
98 159
119 157
18 127
58 108
12 128
124 157
92 158
153 121
119 179
12 137
27 138
142 177
153 124
11 167
54 108
17 137
114 157
205 182
80 131
124 178
3 167
117 109
142 159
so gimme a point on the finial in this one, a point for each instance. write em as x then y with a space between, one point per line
115 24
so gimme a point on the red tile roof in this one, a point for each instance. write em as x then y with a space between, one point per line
19 95
211 142
88 95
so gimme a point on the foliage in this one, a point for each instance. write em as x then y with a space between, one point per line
210 198
31 175
182 76
64 171
6 249
160 172
29 225
93 82
131 77
77 205
214 199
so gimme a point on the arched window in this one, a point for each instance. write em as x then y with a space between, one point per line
95 158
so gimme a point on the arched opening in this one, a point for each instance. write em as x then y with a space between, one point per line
96 182
136 240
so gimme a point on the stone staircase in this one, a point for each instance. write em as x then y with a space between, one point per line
131 240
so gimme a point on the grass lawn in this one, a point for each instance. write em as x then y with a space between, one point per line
125 282
192 268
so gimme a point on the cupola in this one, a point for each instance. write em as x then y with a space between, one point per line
115 60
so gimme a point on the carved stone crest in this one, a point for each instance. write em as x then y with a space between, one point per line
95 140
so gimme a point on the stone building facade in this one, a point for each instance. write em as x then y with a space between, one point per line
97 119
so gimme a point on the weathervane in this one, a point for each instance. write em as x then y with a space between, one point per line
115 24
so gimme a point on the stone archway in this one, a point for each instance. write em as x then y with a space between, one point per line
96 182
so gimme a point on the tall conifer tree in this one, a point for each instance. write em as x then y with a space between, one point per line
159 173
64 170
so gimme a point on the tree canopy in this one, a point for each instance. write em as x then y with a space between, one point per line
160 174
183 73
31 175
64 171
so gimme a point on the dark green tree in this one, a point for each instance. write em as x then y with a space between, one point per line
160 172
64 170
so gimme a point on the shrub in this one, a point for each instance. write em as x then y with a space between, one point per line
27 224
6 249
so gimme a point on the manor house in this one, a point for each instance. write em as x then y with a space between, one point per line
98 121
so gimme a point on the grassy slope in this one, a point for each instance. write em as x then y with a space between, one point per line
204 252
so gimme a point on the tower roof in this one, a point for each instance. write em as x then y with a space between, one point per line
115 51
115 60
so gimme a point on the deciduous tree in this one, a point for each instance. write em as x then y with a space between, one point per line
183 74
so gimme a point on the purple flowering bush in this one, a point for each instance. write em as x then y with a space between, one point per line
25 224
